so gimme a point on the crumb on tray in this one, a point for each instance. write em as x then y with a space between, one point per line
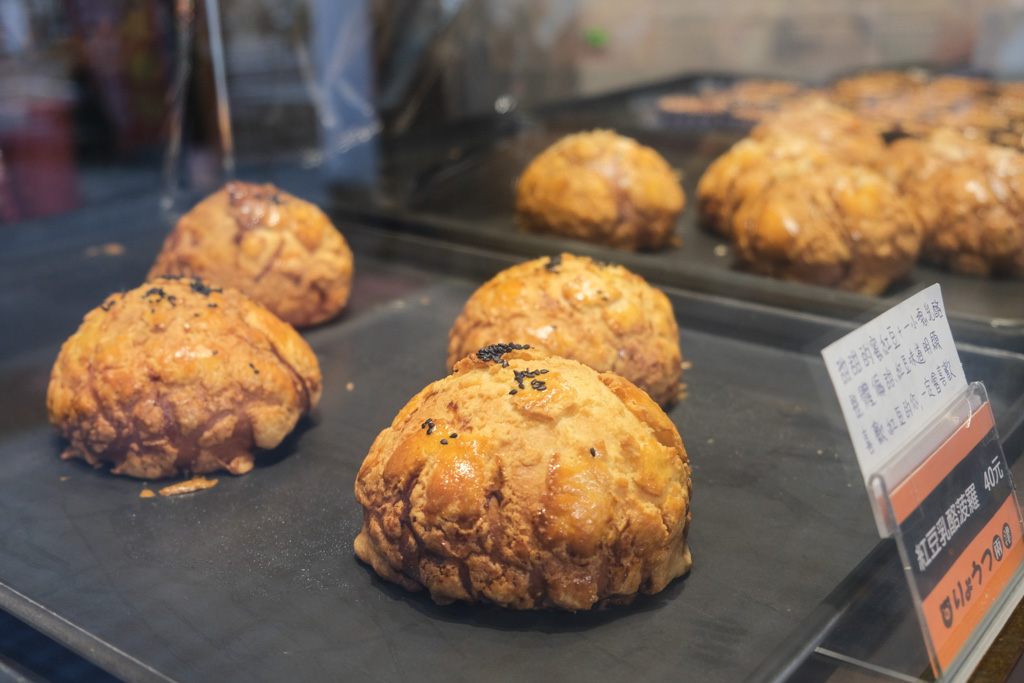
188 486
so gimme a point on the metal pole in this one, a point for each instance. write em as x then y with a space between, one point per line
220 83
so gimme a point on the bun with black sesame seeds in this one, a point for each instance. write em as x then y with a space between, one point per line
599 314
178 376
280 250
527 481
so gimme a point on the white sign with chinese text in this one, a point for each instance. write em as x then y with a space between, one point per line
894 374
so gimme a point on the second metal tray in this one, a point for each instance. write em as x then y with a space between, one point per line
458 183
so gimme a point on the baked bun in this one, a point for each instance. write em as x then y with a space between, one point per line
175 377
747 169
746 100
864 92
947 101
969 195
753 99
527 481
601 187
911 163
280 250
847 137
601 315
843 226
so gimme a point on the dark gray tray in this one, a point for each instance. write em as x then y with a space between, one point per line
255 579
458 184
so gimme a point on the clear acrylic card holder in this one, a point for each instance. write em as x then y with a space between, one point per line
949 502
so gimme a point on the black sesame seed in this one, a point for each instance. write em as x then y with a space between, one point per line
520 375
254 368
452 435
593 453
215 352
494 352
200 287
539 385
429 424
513 392
444 442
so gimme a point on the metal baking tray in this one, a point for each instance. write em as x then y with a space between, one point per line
457 183
255 579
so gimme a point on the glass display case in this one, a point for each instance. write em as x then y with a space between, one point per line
410 125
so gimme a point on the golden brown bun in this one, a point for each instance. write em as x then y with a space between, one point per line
748 168
175 376
969 196
571 491
1008 102
749 99
598 314
847 137
865 91
964 103
601 187
911 102
754 99
912 161
843 226
280 250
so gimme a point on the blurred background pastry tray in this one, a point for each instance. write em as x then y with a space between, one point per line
255 579
458 183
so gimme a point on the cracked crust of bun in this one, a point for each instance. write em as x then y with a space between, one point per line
280 250
599 314
847 137
747 169
845 227
177 376
967 194
527 481
601 187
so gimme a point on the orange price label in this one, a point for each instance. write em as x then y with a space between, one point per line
956 605
961 530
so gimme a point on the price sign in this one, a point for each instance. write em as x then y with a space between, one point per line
928 450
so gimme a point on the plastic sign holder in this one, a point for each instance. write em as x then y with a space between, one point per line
958 528
936 476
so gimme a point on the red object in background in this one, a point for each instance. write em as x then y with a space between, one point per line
38 177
